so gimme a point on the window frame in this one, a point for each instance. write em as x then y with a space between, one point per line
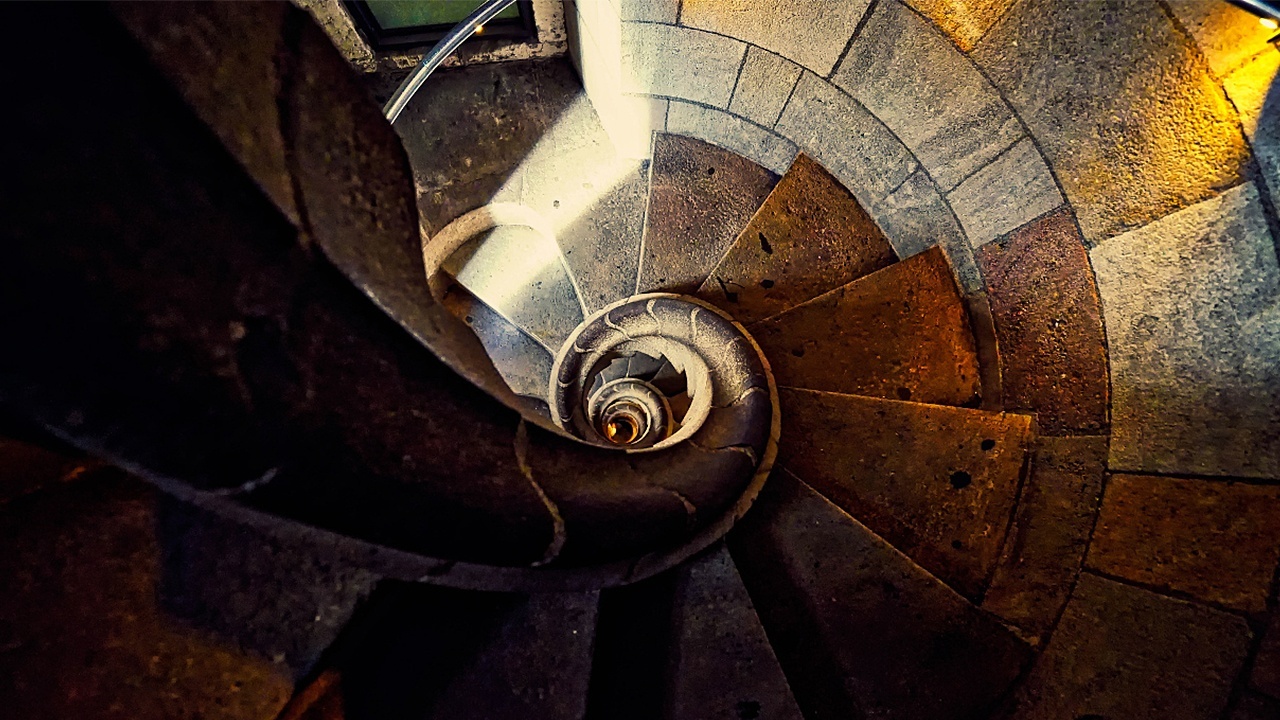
424 36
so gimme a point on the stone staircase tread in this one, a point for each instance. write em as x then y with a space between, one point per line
810 236
899 333
700 199
523 362
861 630
938 482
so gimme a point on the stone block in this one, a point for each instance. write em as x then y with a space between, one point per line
1007 194
731 132
906 73
656 11
1192 308
812 34
848 140
1123 652
963 21
680 62
916 217
1266 664
1214 541
1049 322
1123 105
1050 533
1229 36
763 86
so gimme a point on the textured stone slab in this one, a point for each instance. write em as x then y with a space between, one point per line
523 362
1122 104
763 86
963 21
1191 306
722 664
938 483
85 635
862 630
680 62
700 199
1227 35
731 132
659 11
521 274
812 34
1049 321
1050 532
223 60
1124 652
601 245
916 217
1215 541
849 141
1255 95
1014 189
1253 706
810 236
900 333
25 468
1266 664
951 118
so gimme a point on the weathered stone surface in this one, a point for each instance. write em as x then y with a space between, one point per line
1255 94
1227 35
916 217
1253 706
812 34
1122 104
1266 664
900 333
722 664
763 86
223 60
951 117
862 630
680 62
1215 541
731 132
938 483
84 633
1124 652
849 141
1014 189
521 274
601 246
700 199
1049 322
964 21
1191 305
25 468
523 362
660 11
1050 532
809 236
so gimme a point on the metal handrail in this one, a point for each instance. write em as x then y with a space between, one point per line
1261 8
439 52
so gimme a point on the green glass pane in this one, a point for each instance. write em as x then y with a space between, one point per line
396 14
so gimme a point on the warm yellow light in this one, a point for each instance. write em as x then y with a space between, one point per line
479 29
1269 23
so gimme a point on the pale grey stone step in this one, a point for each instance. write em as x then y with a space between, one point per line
722 665
812 34
523 362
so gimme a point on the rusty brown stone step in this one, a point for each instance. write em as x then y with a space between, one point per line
700 199
899 333
860 629
810 236
939 483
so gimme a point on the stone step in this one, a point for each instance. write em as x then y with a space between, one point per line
523 362
521 274
700 199
901 333
939 483
431 653
861 630
810 236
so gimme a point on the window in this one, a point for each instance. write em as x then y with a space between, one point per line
405 24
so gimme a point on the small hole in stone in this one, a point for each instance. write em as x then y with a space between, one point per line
711 171
798 352
904 393
470 319
766 283
957 544
555 203
960 479
988 444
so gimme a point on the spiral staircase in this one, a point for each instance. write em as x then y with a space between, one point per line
679 437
